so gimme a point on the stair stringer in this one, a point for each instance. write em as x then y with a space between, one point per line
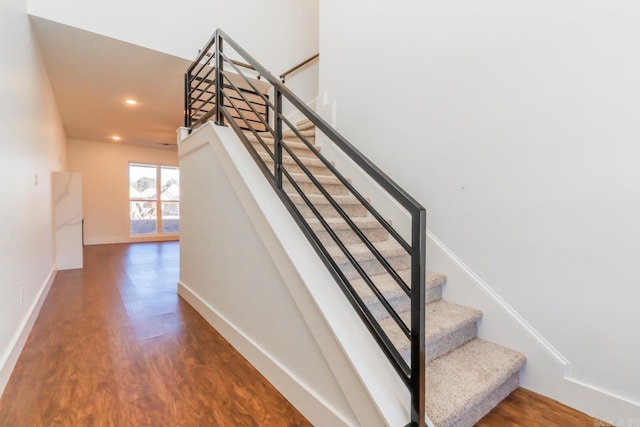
370 392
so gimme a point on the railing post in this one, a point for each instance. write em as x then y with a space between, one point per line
277 164
418 301
219 81
187 99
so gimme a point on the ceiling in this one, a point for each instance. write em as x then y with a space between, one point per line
92 75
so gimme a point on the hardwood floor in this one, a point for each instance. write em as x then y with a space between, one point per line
114 345
528 409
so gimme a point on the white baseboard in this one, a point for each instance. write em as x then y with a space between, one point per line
10 358
140 239
301 396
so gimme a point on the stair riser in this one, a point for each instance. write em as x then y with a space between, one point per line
310 188
377 234
399 300
301 151
373 266
309 159
294 168
482 408
293 136
305 125
451 341
442 346
328 211
434 294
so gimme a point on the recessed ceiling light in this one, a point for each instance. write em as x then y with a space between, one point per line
130 101
116 138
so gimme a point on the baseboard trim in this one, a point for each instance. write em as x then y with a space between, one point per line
118 240
602 392
282 379
510 311
10 358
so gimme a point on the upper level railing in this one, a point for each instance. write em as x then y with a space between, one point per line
295 68
217 88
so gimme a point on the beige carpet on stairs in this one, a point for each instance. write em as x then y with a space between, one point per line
466 376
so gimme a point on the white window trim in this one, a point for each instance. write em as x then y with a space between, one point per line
157 201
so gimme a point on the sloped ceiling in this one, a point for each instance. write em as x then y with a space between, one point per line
92 75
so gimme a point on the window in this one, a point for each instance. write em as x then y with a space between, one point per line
154 199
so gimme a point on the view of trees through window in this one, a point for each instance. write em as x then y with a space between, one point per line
154 199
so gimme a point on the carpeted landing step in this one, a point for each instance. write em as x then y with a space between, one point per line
464 385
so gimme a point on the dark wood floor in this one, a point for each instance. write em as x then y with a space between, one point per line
524 408
115 346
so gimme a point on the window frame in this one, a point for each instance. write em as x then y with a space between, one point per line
158 198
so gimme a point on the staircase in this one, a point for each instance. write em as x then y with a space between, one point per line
452 376
466 376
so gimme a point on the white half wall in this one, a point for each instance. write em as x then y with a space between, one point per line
32 146
105 187
248 269
515 125
279 33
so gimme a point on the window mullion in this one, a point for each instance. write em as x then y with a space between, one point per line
159 199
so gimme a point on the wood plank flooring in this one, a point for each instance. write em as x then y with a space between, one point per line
114 345
524 408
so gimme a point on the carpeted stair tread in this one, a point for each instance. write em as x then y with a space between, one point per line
288 160
448 326
309 134
347 203
319 199
322 179
305 124
459 381
362 253
291 143
340 224
444 317
391 290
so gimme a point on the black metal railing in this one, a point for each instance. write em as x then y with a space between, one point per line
255 110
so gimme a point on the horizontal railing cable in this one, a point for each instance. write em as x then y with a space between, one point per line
376 253
264 122
260 140
240 73
380 334
346 182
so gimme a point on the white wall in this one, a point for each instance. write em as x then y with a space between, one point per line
32 146
279 33
516 125
105 186
304 83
